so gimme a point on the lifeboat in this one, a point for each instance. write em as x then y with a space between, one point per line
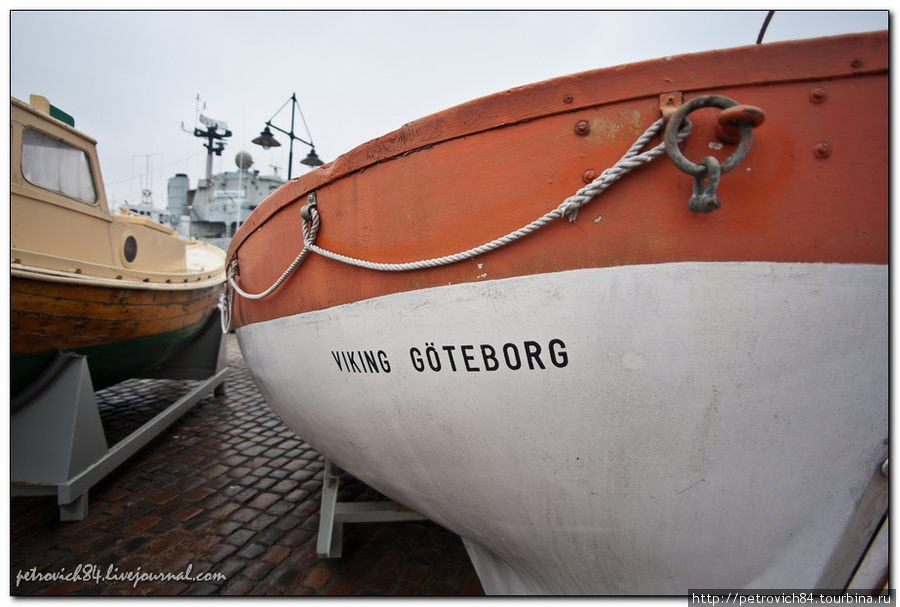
624 331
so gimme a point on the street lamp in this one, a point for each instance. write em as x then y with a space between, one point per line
266 140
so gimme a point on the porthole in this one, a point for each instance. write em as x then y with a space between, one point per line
129 249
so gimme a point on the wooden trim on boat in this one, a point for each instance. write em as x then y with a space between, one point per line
160 281
47 316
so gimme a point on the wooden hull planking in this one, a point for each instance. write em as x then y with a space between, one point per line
122 330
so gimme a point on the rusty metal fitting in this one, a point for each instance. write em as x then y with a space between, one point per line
731 117
669 103
589 176
582 127
568 99
745 128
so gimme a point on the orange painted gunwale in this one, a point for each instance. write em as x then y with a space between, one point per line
469 174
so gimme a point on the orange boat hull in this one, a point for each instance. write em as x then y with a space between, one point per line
468 177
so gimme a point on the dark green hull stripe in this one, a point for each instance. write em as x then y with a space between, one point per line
110 363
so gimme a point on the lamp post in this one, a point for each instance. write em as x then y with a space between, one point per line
266 140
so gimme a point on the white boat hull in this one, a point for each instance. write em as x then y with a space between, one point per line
642 429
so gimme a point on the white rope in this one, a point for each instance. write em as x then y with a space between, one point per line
569 207
632 159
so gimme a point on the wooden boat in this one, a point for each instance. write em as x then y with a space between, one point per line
658 396
119 288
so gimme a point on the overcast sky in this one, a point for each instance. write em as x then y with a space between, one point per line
130 79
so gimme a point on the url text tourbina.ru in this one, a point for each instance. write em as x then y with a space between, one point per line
741 598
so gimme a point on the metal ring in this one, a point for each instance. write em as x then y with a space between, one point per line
698 170
307 209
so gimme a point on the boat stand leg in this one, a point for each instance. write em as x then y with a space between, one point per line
334 514
76 510
55 435
860 531
80 483
873 571
331 534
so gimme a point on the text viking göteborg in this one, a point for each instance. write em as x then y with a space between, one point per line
464 358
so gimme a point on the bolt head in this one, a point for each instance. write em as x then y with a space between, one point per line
822 149
582 127
818 95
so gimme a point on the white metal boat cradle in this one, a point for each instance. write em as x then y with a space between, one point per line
57 441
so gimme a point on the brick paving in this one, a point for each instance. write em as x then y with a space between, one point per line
227 493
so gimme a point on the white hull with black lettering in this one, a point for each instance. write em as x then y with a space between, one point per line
641 429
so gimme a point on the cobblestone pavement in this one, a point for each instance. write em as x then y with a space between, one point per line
229 493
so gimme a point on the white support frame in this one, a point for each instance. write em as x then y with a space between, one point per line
334 514
57 443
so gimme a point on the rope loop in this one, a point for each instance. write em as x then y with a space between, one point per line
225 307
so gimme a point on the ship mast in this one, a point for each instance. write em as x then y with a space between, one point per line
212 135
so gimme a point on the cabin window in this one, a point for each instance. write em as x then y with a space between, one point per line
55 165
129 249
